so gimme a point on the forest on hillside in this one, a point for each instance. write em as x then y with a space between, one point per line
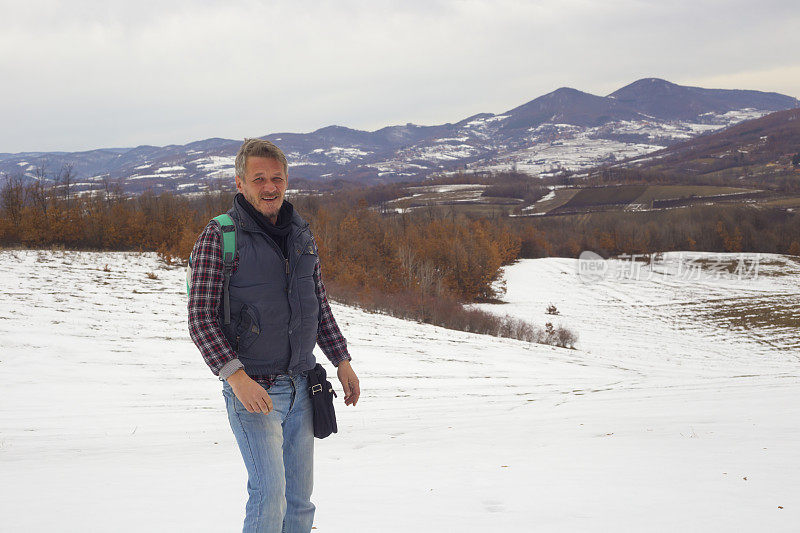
411 267
368 248
423 264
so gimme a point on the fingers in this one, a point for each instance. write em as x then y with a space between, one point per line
262 404
346 388
253 407
351 391
257 401
267 404
349 384
348 392
259 405
356 392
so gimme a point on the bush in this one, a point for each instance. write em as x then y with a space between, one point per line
446 312
565 338
558 336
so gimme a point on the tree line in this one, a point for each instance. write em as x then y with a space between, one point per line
421 264
720 228
38 214
411 267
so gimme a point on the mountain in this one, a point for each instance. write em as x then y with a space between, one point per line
564 129
765 146
569 106
664 100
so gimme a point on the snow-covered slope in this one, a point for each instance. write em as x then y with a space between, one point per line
710 311
110 421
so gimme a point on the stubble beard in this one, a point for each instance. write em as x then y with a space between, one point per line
270 213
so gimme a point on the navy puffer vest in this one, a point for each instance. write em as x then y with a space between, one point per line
274 304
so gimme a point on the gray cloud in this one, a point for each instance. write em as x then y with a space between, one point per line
83 75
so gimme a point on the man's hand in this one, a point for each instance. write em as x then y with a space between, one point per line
252 395
349 383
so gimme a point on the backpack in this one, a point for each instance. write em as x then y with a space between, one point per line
228 229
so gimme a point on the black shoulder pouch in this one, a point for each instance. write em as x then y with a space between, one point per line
322 394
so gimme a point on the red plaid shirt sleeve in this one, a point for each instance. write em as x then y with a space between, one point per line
205 293
329 337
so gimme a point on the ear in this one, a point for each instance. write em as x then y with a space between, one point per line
239 184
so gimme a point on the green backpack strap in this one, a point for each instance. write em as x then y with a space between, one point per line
228 229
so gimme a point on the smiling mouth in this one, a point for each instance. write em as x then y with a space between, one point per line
269 198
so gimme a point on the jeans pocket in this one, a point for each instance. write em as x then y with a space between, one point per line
231 400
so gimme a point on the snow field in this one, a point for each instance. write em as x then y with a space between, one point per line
111 421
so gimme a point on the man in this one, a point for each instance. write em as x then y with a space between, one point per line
278 312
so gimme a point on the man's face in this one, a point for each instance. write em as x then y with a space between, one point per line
264 185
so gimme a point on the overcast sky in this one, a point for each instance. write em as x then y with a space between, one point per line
89 74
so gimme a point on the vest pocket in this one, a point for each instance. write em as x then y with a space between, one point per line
248 328
309 304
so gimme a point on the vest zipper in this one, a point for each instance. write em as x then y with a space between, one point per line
287 265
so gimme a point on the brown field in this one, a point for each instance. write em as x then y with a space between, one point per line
666 192
467 199
790 202
635 197
485 210
448 199
613 195
560 197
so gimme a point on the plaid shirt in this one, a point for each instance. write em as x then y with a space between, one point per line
204 303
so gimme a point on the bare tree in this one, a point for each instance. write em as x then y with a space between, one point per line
38 195
12 199
40 171
112 189
408 261
64 180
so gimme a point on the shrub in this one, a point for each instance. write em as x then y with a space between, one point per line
446 312
565 338
557 336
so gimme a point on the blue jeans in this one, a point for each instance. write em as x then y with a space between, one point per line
278 451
